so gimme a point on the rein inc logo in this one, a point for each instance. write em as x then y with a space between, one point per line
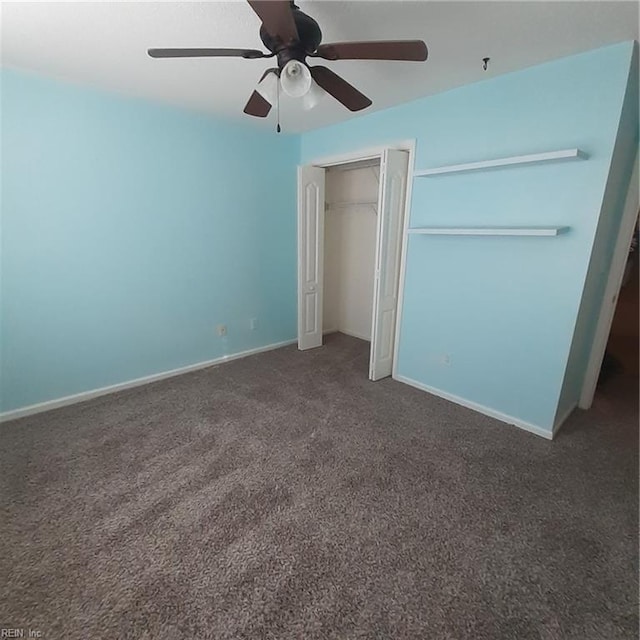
20 633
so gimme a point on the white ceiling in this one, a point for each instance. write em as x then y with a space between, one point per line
103 44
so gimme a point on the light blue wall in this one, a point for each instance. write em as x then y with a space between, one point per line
503 309
626 147
129 230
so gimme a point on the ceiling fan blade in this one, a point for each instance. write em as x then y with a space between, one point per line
340 89
409 50
201 53
257 106
277 18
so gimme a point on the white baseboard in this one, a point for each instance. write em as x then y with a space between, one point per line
353 334
564 418
138 382
346 333
492 413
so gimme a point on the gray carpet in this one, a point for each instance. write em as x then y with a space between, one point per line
284 496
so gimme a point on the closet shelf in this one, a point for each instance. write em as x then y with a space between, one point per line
344 205
533 158
489 231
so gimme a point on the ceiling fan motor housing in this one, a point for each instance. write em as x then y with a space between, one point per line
309 38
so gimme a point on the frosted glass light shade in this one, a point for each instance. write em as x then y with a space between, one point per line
313 96
295 79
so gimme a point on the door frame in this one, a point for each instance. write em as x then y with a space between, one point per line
612 290
373 153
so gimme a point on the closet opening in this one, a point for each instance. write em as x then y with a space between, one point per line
351 220
351 207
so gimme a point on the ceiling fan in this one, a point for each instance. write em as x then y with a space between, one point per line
291 36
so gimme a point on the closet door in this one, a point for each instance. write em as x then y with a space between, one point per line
310 255
393 187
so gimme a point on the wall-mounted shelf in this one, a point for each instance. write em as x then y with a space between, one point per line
533 158
489 231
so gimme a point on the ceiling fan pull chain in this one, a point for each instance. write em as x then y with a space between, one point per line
278 129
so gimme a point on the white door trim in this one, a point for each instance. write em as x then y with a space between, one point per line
369 153
372 153
612 289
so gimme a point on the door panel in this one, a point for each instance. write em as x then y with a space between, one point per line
393 187
310 255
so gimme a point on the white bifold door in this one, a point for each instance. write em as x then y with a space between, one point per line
391 204
310 255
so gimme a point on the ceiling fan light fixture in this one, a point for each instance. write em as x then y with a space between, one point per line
295 79
291 36
268 88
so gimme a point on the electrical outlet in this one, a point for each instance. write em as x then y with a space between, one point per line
221 330
253 324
